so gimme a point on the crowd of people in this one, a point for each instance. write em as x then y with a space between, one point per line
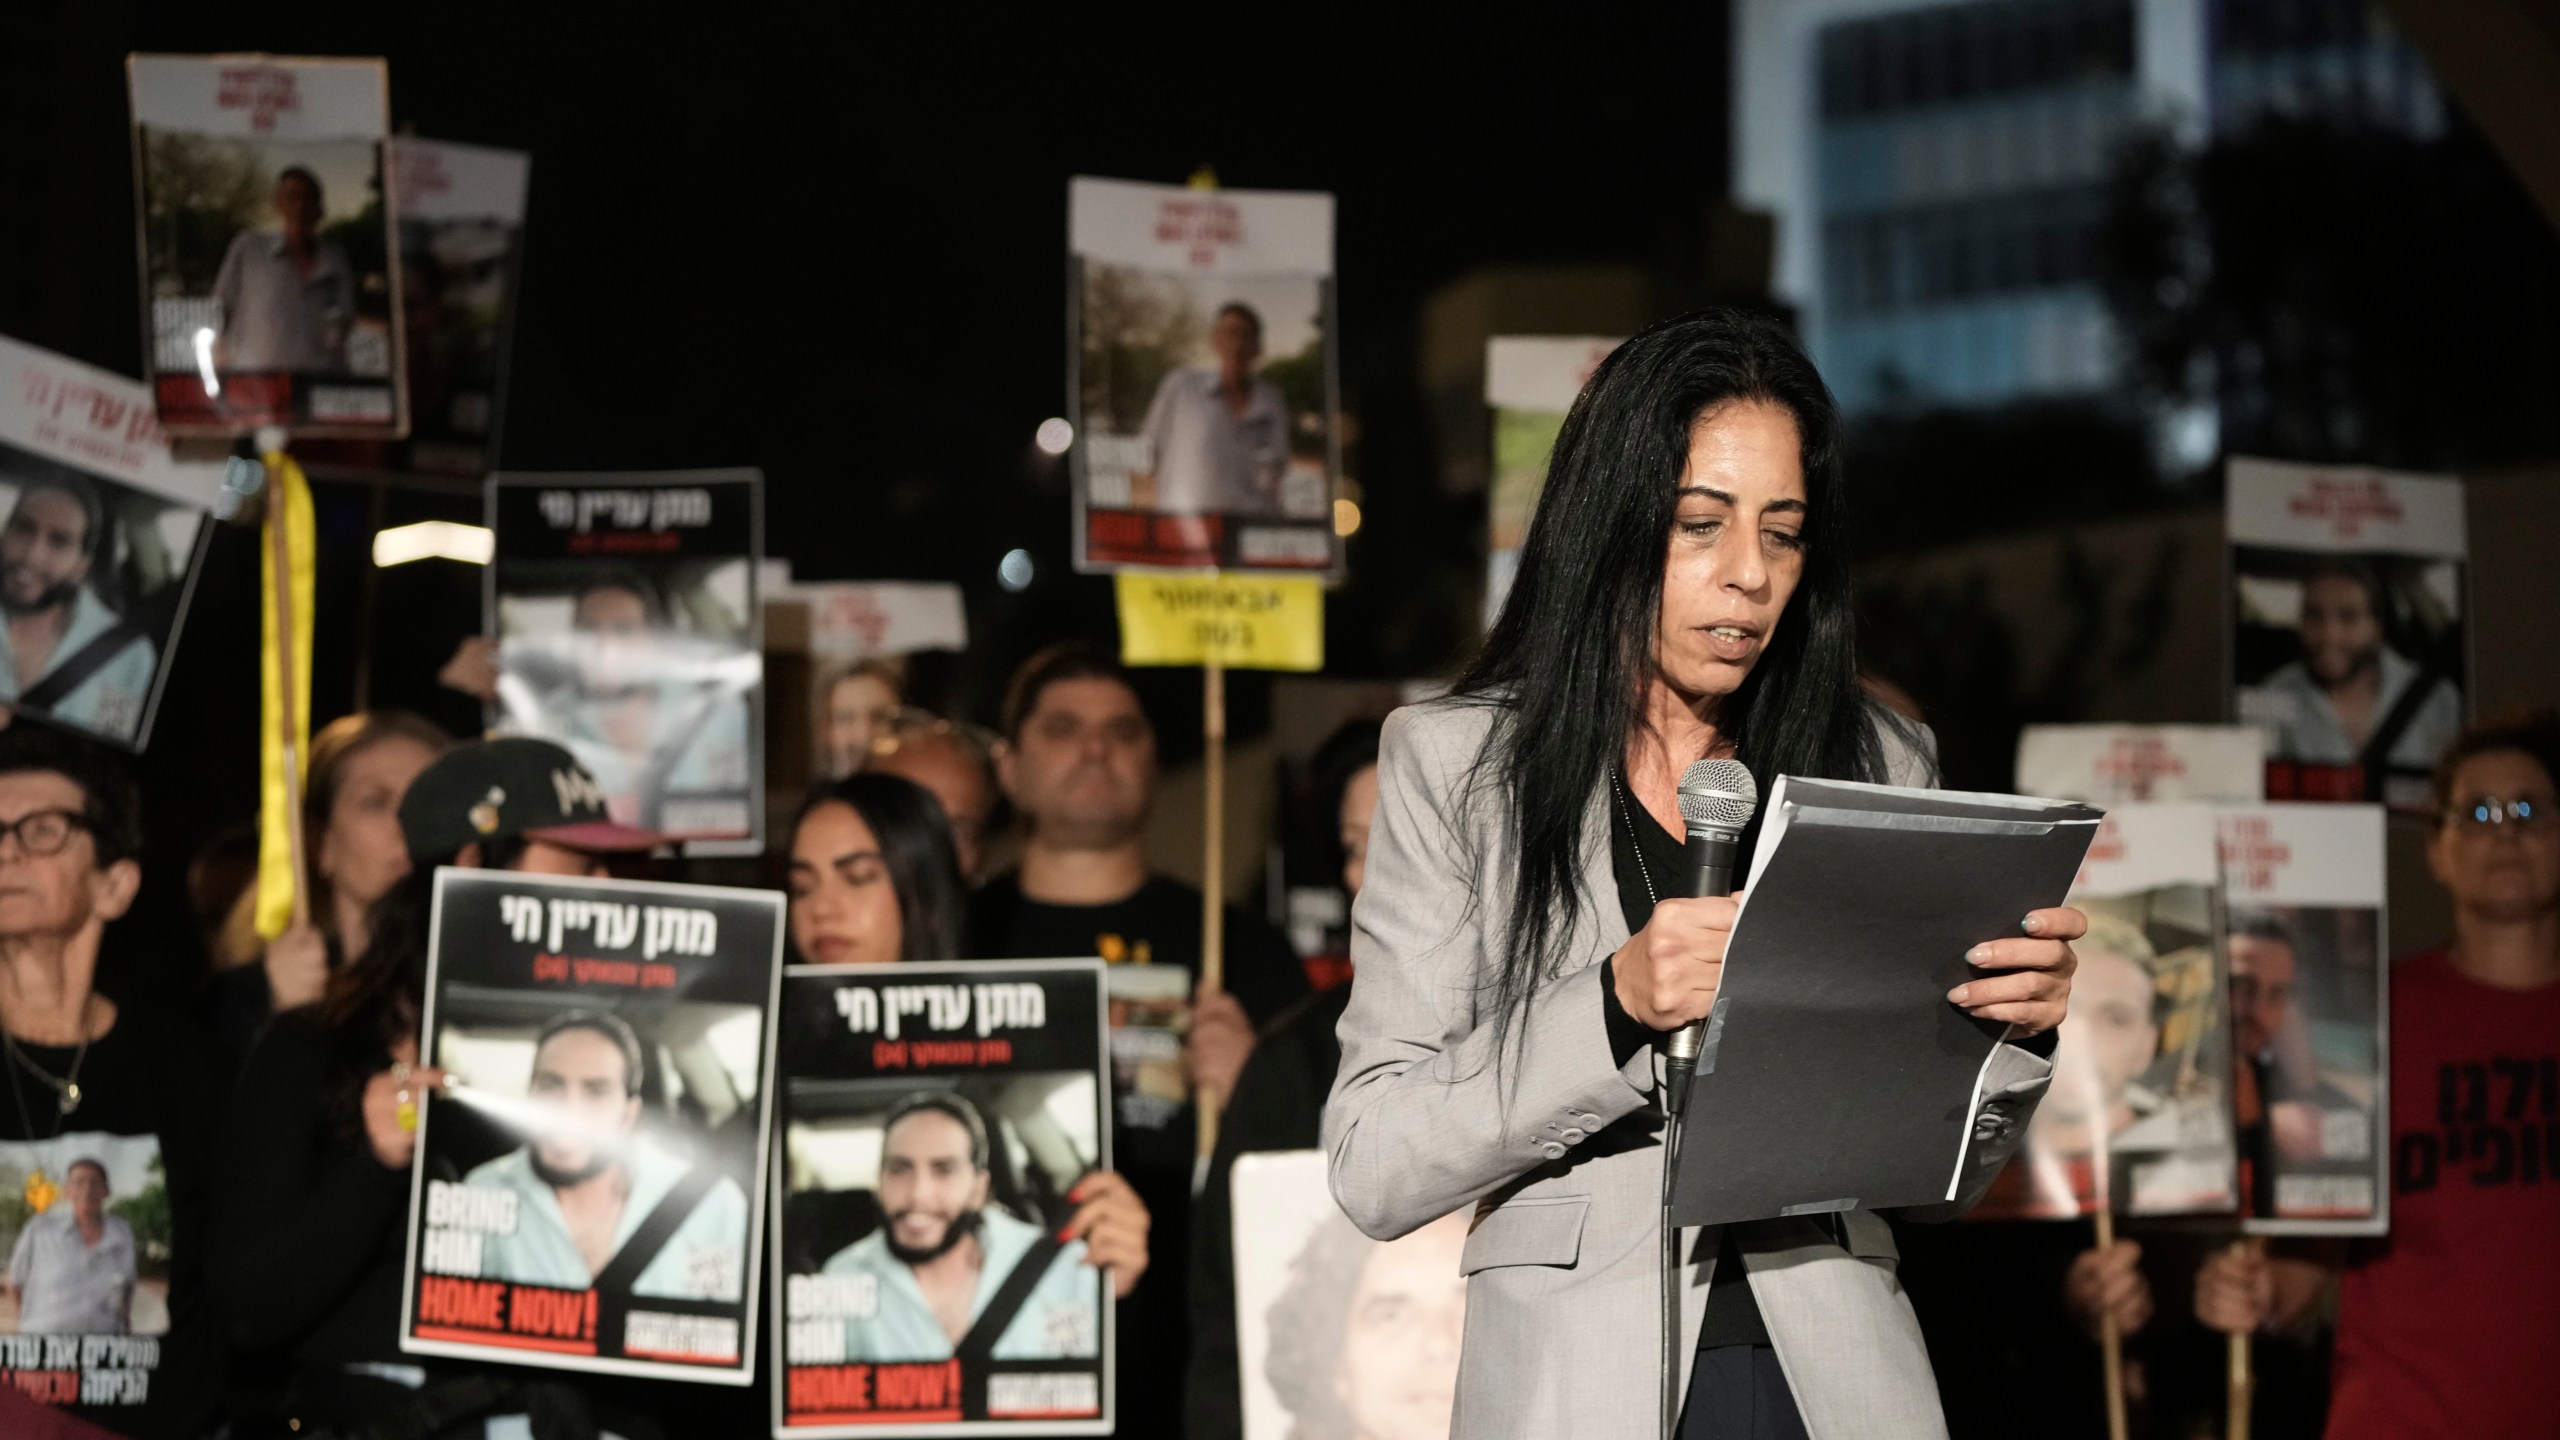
275 1111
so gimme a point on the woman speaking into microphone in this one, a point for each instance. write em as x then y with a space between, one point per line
1684 594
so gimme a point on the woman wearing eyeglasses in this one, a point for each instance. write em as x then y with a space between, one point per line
2447 1328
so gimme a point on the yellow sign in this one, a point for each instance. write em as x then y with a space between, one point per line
1245 622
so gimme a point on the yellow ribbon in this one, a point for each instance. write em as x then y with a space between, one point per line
289 504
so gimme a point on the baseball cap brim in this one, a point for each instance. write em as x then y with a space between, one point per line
602 837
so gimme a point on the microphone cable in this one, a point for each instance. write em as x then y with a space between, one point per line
1670 1288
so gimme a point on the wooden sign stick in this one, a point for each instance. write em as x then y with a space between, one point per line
1213 878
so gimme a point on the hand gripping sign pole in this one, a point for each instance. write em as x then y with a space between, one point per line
2101 1175
1219 621
2109 1335
2238 1377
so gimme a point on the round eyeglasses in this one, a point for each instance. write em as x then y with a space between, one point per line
2485 810
43 833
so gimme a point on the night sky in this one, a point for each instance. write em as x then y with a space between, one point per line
834 249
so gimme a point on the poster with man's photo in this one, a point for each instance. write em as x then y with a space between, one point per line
270 262
934 1119
1338 1334
585 1196
99 547
1530 381
2303 936
461 231
86 1241
2350 626
628 631
2144 764
1150 1019
2138 1118
1201 369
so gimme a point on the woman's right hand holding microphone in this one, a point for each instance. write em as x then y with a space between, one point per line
1666 976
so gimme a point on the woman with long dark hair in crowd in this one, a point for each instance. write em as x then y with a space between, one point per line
310 1224
875 877
1684 593
874 881
361 766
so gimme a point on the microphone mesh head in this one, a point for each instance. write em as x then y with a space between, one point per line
1718 794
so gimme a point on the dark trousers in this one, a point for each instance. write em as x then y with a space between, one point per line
1737 1392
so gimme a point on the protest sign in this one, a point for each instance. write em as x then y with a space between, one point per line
461 238
2310 1026
85 1323
934 1118
98 553
270 263
2349 626
584 1198
1530 381
628 631
1338 1334
2139 1112
1202 377
1244 622
2143 764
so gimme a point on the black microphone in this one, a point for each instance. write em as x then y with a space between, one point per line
1718 799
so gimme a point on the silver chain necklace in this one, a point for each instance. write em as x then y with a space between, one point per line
66 1088
1618 789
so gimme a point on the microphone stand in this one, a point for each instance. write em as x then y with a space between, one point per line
1675 1099
1717 798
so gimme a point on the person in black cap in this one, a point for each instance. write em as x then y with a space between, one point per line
309 1226
516 804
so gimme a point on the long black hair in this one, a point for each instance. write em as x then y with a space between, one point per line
1570 658
916 848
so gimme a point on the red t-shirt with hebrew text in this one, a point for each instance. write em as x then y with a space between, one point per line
2451 1326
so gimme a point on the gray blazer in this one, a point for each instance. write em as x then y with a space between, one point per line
1558 1151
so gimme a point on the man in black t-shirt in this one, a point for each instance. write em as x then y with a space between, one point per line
104 1121
1078 763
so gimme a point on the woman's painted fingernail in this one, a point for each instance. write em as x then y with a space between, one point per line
1066 1233
1956 996
2033 925
1978 955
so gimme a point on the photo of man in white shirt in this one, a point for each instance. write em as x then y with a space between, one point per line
72 1270
288 297
1217 441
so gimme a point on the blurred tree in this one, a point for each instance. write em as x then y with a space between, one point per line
2340 293
1300 380
1135 331
202 191
147 1211
361 237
